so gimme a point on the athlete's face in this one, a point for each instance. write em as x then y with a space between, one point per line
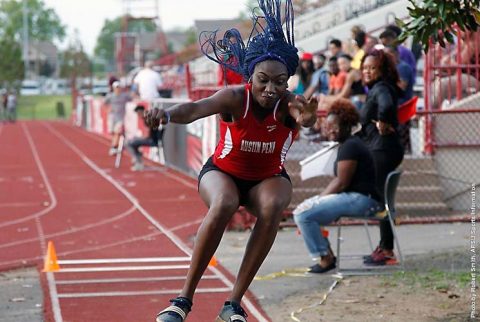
269 82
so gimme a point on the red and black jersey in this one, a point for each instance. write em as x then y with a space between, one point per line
250 149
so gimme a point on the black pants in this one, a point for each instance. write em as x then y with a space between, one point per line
385 162
134 145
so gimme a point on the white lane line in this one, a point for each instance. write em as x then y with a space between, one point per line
72 230
130 280
53 199
123 260
57 313
121 268
176 240
139 293
105 246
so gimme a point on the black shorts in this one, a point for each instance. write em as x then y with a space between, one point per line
243 185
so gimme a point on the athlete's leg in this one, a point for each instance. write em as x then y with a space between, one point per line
267 201
221 195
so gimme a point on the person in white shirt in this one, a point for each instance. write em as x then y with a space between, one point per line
148 82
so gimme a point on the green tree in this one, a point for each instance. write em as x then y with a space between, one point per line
75 63
105 46
43 23
11 64
435 20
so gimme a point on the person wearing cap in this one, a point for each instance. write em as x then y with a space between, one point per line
151 139
117 101
299 82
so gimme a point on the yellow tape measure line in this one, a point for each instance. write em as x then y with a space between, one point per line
292 272
323 299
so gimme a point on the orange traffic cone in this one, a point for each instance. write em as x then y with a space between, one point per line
51 263
213 262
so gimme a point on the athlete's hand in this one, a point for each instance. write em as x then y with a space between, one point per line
304 111
155 117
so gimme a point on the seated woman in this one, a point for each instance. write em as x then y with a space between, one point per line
351 193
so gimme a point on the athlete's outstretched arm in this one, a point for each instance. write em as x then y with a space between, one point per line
222 101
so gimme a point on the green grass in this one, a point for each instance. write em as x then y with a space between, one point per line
42 107
432 279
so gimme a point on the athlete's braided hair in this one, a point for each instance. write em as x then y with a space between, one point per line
267 41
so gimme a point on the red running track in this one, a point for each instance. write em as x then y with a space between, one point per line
123 239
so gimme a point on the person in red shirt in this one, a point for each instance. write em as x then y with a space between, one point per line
258 122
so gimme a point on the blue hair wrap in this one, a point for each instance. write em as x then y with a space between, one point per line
267 41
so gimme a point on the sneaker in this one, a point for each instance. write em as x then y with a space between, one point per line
232 312
137 167
381 259
374 253
112 151
177 312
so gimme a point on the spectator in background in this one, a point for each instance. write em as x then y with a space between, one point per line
379 121
351 193
337 77
468 57
405 73
358 51
3 112
117 101
335 48
389 38
405 83
318 61
320 78
352 89
111 79
12 106
299 82
148 82
151 139
370 43
349 45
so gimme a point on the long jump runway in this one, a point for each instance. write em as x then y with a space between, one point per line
123 239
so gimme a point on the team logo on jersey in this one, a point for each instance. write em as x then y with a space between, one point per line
270 128
257 146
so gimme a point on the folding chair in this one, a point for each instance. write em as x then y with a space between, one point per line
391 185
160 151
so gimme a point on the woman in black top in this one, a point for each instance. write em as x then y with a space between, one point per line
351 193
379 131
